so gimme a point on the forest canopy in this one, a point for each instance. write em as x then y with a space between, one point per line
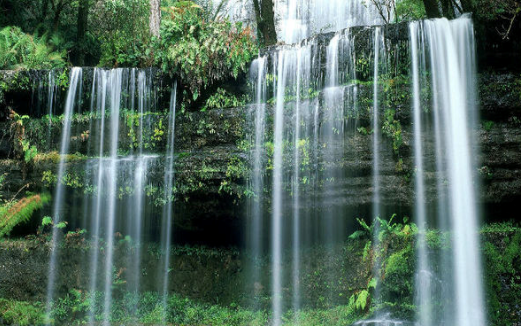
120 33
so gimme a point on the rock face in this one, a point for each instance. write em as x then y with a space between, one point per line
213 147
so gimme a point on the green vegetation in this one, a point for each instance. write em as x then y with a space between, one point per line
147 309
14 212
502 251
202 52
223 99
21 313
23 51
407 10
122 30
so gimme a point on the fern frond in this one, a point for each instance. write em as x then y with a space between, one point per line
20 212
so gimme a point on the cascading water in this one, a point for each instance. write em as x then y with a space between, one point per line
256 221
424 273
301 19
168 213
316 115
276 233
115 202
322 124
75 81
297 20
450 48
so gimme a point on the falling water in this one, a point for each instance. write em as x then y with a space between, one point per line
451 48
303 62
376 127
169 181
114 95
376 202
75 81
424 273
301 19
255 228
115 183
276 236
51 99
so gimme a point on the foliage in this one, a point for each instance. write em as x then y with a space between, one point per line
499 12
22 146
21 312
223 99
392 128
409 10
202 52
20 50
502 251
17 212
122 28
147 308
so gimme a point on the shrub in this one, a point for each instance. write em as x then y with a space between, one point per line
202 52
21 313
20 50
122 27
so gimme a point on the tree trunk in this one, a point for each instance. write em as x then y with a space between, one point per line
431 8
44 8
155 17
448 10
265 17
83 15
467 6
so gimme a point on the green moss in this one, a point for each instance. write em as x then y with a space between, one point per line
392 128
399 268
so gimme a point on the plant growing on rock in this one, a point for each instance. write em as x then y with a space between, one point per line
202 53
14 213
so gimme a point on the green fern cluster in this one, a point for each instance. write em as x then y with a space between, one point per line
15 213
23 51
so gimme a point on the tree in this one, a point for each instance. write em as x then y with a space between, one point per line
432 8
265 17
83 14
155 17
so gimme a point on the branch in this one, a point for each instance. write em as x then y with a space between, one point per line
455 4
505 35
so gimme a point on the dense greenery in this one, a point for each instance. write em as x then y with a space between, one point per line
20 50
395 252
202 52
196 45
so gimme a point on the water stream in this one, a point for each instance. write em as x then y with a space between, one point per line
318 106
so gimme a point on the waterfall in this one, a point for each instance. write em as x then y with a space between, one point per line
450 48
75 81
306 208
377 138
424 273
276 233
115 204
301 19
255 212
297 20
168 212
376 126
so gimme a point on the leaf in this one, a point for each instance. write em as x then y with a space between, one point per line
357 235
372 284
361 301
47 220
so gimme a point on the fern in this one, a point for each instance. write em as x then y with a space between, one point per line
23 51
361 300
15 213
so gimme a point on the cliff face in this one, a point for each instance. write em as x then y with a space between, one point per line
213 148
